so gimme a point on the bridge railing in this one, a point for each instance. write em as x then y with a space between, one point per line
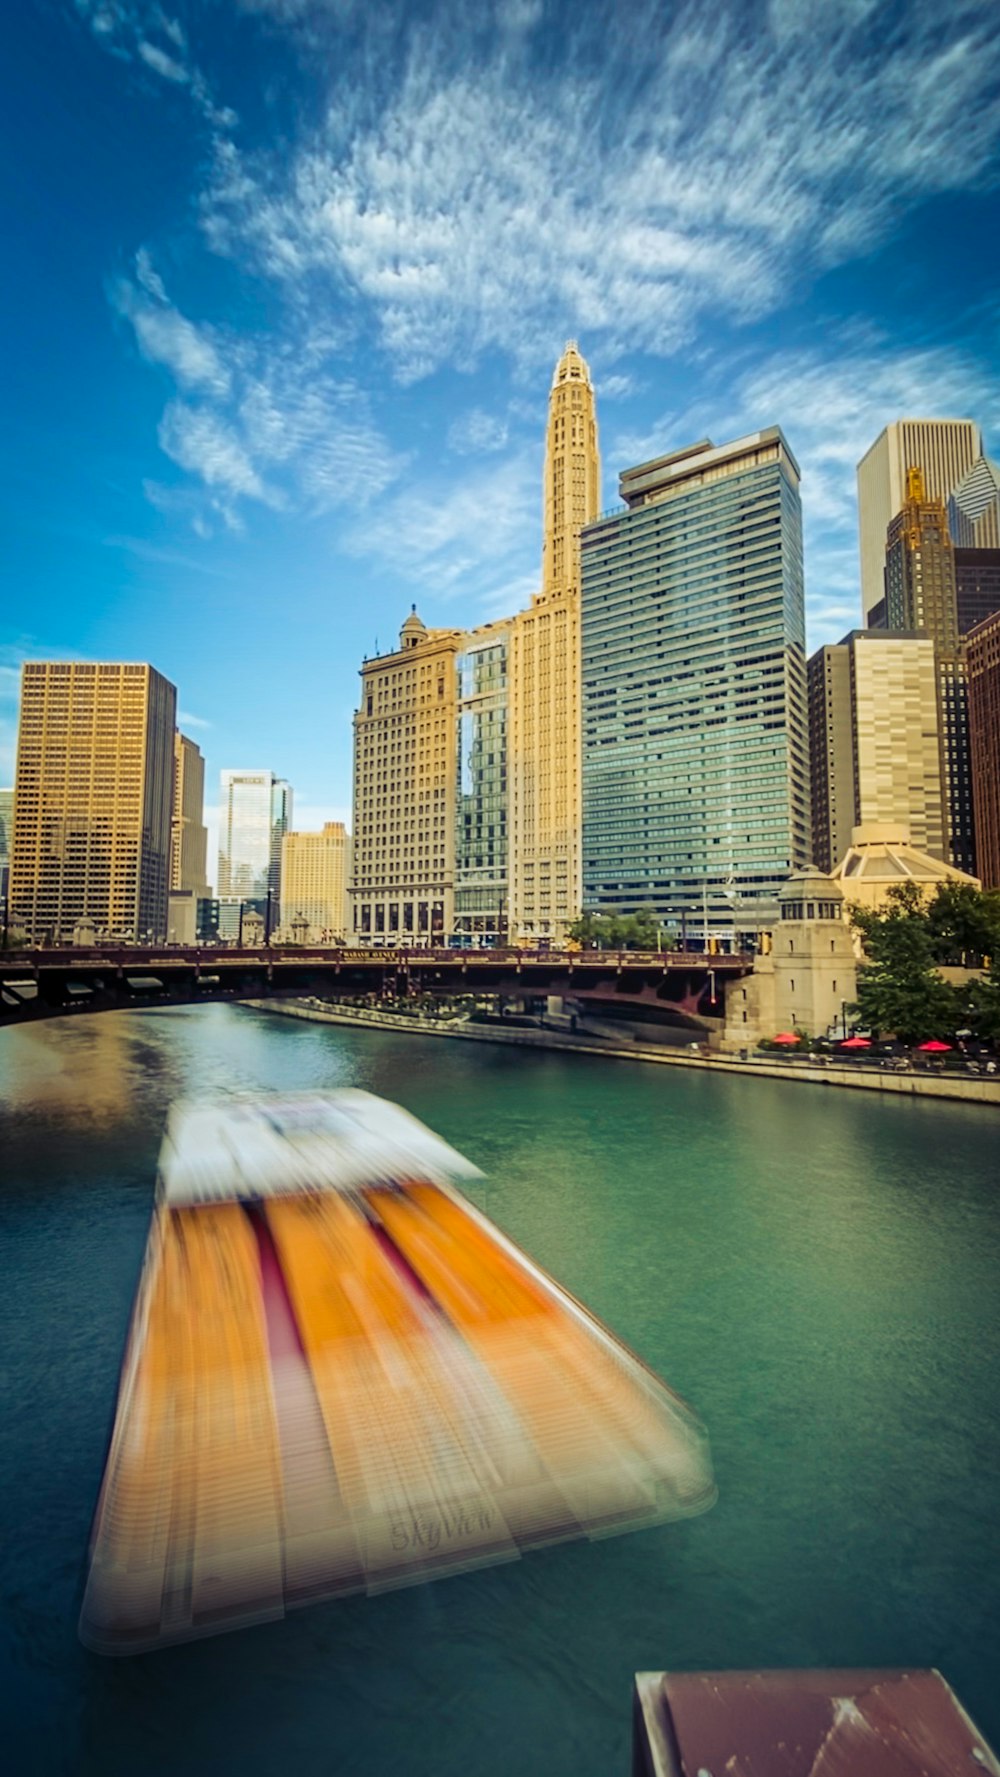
148 956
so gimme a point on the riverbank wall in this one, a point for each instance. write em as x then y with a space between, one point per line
970 1089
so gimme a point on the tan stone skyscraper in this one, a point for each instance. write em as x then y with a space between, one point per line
544 745
92 799
314 869
405 764
188 835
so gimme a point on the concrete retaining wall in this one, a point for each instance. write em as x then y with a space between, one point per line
971 1089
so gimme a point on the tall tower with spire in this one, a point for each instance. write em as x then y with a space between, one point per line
572 483
545 708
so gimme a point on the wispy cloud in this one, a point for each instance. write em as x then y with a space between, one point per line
203 443
259 417
477 431
165 336
729 154
162 63
136 31
186 720
434 538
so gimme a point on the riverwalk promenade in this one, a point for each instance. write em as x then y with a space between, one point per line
971 1089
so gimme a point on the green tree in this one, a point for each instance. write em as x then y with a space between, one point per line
981 1002
964 924
899 990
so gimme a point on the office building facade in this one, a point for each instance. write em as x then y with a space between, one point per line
920 593
944 451
314 875
974 507
255 813
482 834
405 773
695 742
92 800
875 749
831 753
977 586
984 744
6 841
188 835
544 736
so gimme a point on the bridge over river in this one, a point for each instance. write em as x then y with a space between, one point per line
47 983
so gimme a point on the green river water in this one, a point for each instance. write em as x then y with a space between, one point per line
816 1271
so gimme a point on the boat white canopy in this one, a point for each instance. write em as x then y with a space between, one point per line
242 1149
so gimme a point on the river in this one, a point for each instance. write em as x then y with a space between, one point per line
816 1271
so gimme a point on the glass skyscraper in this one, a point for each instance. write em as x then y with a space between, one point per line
481 815
254 816
695 738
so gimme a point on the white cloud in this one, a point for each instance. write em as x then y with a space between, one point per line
273 423
186 720
161 63
477 433
480 200
473 539
203 443
167 337
617 387
127 29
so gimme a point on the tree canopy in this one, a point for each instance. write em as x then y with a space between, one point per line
621 931
906 942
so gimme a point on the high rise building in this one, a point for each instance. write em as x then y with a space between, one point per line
188 835
831 753
92 795
920 593
874 744
6 841
255 814
974 507
977 586
405 757
482 840
944 450
984 744
695 745
544 741
314 870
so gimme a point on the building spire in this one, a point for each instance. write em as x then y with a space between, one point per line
572 484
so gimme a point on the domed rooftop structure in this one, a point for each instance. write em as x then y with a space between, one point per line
413 631
880 856
810 894
810 883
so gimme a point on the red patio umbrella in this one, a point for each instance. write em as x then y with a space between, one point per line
856 1043
786 1036
933 1047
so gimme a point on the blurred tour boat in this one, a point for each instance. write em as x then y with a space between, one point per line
341 1377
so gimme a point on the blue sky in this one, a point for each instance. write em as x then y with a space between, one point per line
286 280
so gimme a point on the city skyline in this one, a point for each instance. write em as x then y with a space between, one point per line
261 392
